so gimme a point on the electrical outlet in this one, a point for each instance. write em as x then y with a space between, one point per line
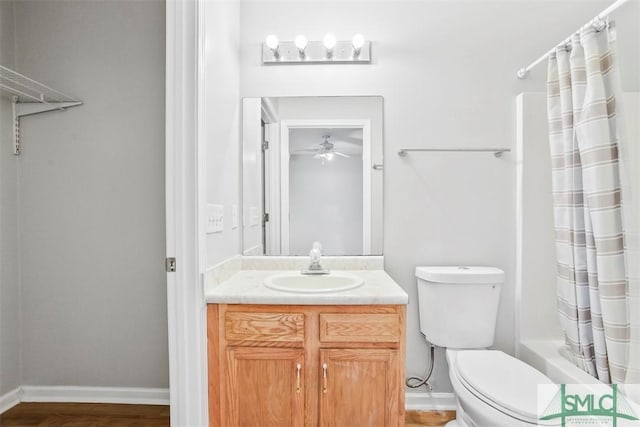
215 218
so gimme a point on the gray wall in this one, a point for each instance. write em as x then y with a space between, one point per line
446 70
91 204
9 273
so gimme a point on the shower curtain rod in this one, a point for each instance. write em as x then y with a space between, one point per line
597 21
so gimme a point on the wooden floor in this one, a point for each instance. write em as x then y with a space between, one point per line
92 414
430 419
85 414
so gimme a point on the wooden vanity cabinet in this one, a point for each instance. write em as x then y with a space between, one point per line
276 365
361 388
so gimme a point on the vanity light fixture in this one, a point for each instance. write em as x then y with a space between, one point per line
301 43
272 43
328 51
357 42
329 42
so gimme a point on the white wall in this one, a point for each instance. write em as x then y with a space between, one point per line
537 313
91 179
9 273
446 70
220 113
325 203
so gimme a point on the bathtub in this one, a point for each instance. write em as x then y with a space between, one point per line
550 358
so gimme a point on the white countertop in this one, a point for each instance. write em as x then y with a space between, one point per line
246 287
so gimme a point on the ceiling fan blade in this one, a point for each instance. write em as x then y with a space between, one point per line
348 145
306 150
341 154
349 139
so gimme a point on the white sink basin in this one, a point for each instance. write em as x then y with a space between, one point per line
336 281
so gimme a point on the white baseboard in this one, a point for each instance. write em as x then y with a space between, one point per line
129 395
10 399
414 401
423 401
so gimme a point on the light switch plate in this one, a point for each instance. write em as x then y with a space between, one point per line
234 216
215 218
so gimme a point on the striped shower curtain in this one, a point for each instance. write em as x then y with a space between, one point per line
583 101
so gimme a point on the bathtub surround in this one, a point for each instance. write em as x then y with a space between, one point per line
584 117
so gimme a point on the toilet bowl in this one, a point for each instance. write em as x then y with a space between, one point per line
458 309
494 389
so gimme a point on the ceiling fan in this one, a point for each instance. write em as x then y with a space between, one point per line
325 151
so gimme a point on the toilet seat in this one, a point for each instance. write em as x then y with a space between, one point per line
501 381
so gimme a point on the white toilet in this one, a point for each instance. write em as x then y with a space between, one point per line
458 310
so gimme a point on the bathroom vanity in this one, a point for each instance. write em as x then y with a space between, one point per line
286 349
306 359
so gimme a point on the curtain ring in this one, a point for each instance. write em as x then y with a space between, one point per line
599 25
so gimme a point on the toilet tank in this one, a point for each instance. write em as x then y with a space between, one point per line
459 305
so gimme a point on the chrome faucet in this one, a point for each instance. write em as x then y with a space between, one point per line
314 267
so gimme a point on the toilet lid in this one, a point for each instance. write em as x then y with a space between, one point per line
507 383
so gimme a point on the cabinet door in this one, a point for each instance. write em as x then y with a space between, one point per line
263 387
359 388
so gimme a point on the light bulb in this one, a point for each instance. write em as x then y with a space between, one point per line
301 42
357 41
329 41
272 42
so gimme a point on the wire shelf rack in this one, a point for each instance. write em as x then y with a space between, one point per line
30 97
29 90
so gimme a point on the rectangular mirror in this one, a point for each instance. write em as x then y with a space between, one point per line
312 171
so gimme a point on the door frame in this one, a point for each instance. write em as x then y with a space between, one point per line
271 183
285 126
183 172
272 188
